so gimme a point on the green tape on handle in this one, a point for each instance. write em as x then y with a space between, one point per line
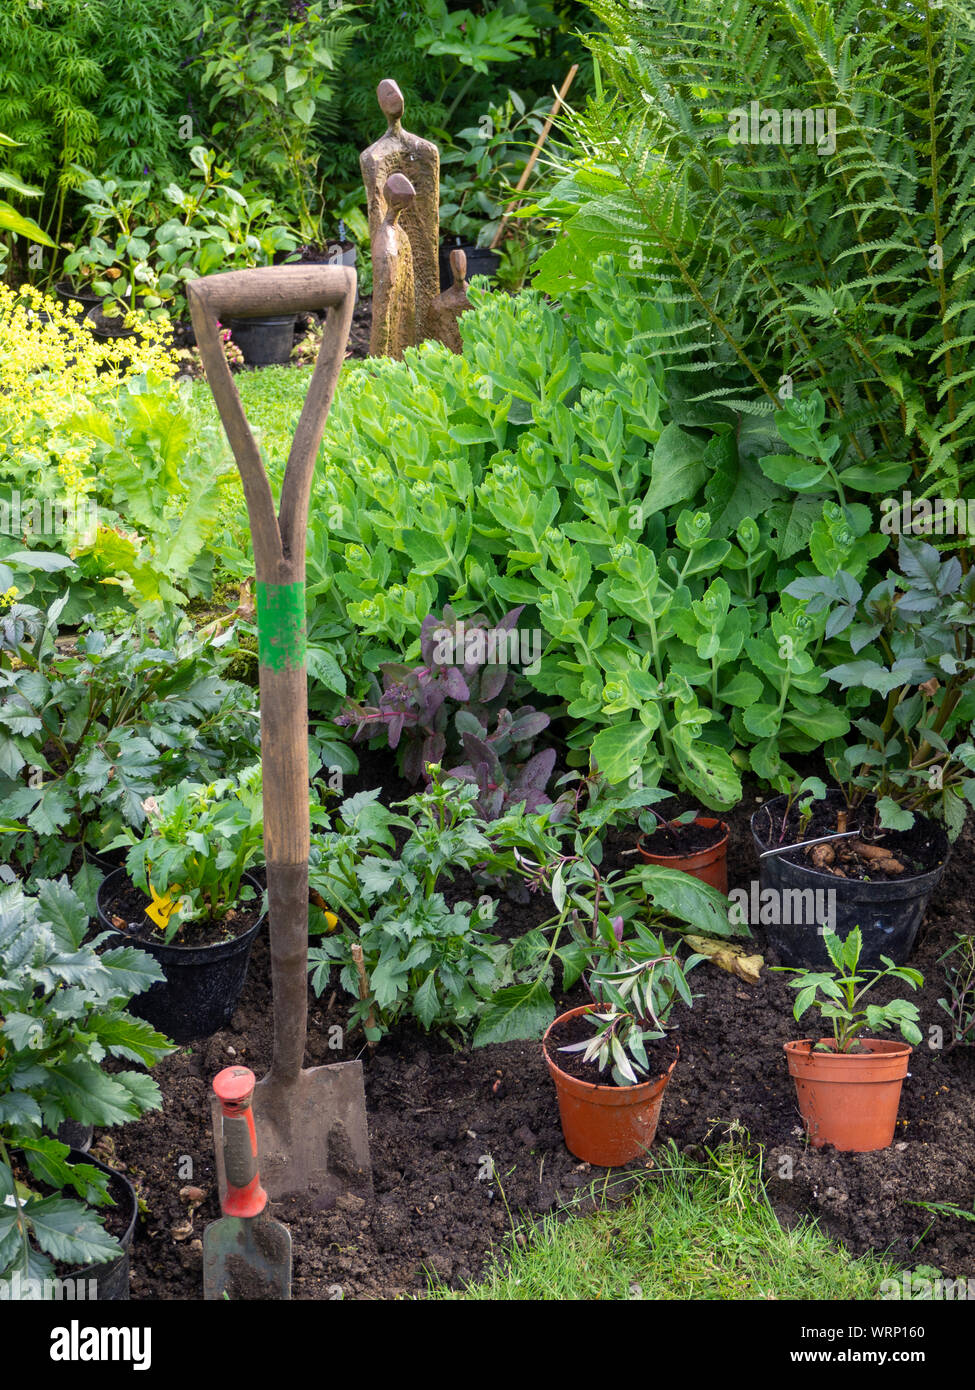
281 626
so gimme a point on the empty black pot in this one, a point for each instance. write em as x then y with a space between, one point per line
480 261
202 984
889 914
264 342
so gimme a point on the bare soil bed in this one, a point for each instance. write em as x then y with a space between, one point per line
460 1137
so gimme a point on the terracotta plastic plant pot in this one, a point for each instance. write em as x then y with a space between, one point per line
709 865
849 1099
606 1125
888 913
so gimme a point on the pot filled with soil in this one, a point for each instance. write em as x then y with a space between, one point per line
111 1279
699 847
108 327
205 963
603 1123
264 342
849 1099
876 879
70 294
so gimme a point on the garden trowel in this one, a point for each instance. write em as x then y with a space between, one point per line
311 1123
246 1255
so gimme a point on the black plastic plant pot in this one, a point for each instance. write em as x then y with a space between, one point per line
108 328
202 984
264 342
480 261
888 913
111 1279
68 295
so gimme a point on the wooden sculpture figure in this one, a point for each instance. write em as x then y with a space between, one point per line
393 293
448 307
400 152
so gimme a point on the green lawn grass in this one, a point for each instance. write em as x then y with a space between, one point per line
690 1230
272 400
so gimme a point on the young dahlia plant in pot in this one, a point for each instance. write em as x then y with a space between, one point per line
186 897
849 1086
63 1013
610 1081
878 842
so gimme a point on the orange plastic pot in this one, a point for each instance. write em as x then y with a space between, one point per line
709 865
606 1125
849 1099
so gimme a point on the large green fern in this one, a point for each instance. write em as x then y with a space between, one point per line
850 270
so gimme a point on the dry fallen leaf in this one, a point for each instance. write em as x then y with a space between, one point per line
729 957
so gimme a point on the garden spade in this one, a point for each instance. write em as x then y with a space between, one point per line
311 1123
246 1255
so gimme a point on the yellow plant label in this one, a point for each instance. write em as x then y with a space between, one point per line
161 908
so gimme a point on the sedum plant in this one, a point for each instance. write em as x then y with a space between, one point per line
62 1016
838 994
548 468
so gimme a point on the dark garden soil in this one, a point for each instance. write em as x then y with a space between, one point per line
126 910
680 841
442 1119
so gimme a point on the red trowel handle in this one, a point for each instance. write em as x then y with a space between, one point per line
234 1088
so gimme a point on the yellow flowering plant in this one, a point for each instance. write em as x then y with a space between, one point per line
98 457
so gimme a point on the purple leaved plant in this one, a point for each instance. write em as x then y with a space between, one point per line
454 705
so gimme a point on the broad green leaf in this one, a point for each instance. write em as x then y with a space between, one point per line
515 1013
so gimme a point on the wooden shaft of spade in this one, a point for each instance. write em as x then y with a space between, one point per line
536 150
279 560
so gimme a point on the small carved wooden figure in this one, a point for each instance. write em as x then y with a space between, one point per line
448 306
393 293
400 152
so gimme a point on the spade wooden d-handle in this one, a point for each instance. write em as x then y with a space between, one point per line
279 560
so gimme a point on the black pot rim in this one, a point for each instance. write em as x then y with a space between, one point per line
862 887
66 288
258 320
148 944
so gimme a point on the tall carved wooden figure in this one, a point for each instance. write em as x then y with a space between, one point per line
400 152
393 296
448 307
